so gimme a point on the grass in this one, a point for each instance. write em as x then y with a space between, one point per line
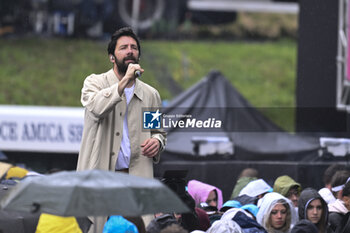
51 71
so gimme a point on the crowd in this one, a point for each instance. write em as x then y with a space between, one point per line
257 207
254 206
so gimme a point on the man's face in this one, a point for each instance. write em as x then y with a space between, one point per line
314 211
278 216
293 195
212 199
126 52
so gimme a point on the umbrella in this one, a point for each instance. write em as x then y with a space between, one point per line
14 221
92 193
3 156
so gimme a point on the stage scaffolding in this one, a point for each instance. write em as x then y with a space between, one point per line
343 77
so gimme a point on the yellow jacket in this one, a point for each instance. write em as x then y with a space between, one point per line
57 224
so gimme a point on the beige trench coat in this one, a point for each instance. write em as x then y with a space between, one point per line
103 124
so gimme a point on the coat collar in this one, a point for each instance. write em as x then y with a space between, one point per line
112 79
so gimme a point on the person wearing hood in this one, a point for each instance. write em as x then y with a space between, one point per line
339 210
202 192
288 187
276 213
247 175
225 226
244 220
253 192
313 208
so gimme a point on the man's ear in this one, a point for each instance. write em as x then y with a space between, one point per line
111 58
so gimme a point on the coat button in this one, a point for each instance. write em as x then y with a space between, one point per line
106 93
117 134
121 113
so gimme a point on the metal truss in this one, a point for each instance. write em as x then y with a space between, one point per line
343 79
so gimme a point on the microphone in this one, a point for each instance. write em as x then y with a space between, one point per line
137 73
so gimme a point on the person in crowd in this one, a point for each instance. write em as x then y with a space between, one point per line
245 199
202 192
212 212
206 197
225 226
249 208
174 228
326 192
160 222
256 189
338 182
288 187
53 223
196 218
138 221
339 209
304 226
203 219
190 221
231 213
113 136
276 213
244 219
230 204
252 209
246 175
119 224
313 208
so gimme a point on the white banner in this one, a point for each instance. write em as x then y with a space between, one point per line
41 129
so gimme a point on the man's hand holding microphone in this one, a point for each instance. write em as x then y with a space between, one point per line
134 71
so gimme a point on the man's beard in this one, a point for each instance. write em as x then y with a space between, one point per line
122 66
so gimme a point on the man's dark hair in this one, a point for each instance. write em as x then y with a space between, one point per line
340 178
126 31
330 171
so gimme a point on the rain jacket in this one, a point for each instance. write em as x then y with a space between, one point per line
248 224
241 183
200 191
57 224
283 184
267 204
225 226
306 196
103 124
255 188
118 224
344 226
